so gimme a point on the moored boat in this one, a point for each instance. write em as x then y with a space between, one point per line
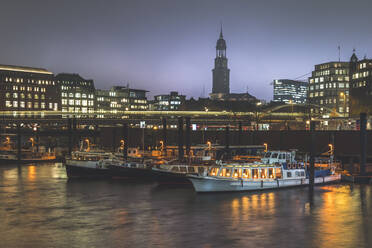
88 164
254 176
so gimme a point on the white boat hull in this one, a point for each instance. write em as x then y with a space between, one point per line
212 184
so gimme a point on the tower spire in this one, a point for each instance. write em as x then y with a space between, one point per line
221 35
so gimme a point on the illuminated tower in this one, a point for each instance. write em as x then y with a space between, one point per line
221 74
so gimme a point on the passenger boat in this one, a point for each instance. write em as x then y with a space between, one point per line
88 164
254 176
27 156
176 173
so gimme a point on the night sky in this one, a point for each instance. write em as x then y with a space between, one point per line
164 45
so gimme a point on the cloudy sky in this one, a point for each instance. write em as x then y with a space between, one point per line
163 45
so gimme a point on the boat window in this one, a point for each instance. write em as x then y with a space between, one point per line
288 157
278 172
289 174
271 172
282 156
263 173
302 173
183 169
213 172
255 173
246 173
267 155
237 173
225 172
297 173
274 155
228 172
174 169
191 169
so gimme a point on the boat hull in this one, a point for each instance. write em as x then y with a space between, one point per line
165 177
76 171
210 184
121 172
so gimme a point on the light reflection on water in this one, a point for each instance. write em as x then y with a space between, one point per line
40 207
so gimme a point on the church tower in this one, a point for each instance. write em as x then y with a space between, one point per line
221 74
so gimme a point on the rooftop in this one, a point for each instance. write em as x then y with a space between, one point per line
24 69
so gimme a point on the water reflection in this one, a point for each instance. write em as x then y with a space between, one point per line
40 207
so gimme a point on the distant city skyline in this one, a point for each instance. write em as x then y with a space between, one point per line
168 45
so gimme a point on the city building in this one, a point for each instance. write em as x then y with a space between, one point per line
221 73
290 91
32 91
328 93
360 86
172 101
119 99
77 95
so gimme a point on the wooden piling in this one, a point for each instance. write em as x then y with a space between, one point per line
188 136
69 127
126 141
227 141
312 156
180 138
363 143
164 132
19 145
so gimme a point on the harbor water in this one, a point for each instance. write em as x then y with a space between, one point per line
40 207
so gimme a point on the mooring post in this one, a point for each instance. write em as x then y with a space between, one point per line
227 140
37 139
113 142
125 137
240 133
180 138
312 156
19 146
74 131
363 142
69 127
188 136
164 122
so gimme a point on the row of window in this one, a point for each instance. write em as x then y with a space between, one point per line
77 95
360 74
321 79
36 105
23 96
33 81
77 102
329 86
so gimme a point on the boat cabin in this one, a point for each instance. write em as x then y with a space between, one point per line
90 156
272 157
259 171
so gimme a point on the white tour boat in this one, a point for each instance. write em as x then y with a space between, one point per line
254 176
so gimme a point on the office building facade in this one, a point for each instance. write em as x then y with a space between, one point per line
360 86
290 91
172 101
27 91
328 90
